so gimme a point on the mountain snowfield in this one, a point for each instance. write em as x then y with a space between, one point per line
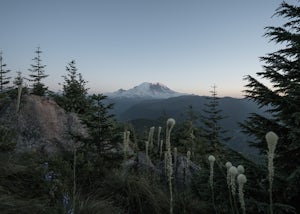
146 90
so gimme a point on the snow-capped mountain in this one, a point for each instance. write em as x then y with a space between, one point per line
146 90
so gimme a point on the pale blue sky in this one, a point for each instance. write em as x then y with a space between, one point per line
187 45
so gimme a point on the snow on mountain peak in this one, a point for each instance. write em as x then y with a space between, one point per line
146 90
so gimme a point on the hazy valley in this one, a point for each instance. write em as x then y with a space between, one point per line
144 106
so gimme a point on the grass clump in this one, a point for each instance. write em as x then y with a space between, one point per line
135 193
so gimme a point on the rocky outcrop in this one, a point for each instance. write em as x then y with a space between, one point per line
183 172
42 125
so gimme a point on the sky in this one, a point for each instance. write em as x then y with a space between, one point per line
187 45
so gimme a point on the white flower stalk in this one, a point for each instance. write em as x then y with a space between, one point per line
170 173
241 179
127 141
272 140
124 140
240 169
186 167
20 87
147 151
211 160
175 157
228 165
158 136
166 162
170 125
126 135
233 173
160 149
150 137
188 155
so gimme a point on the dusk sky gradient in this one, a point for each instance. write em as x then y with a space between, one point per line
187 45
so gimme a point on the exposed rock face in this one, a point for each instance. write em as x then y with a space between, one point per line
42 125
184 170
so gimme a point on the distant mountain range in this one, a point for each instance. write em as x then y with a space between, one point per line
146 90
144 104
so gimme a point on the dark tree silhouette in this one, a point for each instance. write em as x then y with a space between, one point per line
282 98
74 97
100 122
37 74
4 80
211 118
18 79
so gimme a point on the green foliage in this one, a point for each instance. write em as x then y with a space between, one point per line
7 135
39 89
4 100
189 203
23 188
74 96
281 69
212 129
99 122
135 193
188 135
91 166
37 74
96 205
18 80
7 139
102 187
187 132
4 80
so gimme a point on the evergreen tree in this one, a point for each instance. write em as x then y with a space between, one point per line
282 99
38 73
99 122
18 79
211 118
187 131
74 97
4 80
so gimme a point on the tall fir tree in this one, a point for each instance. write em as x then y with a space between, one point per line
74 97
100 122
37 74
282 99
4 80
212 129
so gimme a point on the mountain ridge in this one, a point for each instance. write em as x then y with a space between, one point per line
146 112
146 90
